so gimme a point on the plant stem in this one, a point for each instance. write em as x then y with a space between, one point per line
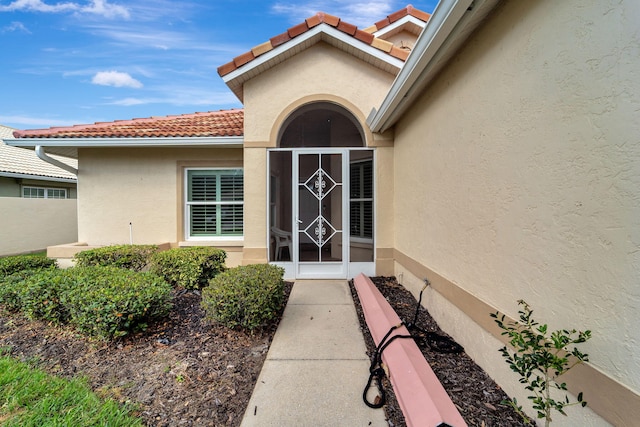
547 392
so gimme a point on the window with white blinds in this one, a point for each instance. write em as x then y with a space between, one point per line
361 199
215 204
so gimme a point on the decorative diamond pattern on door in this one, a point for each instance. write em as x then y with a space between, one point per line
320 231
320 184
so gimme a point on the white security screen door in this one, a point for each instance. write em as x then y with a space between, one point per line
320 195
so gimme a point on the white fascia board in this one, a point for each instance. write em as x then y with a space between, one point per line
305 37
37 177
221 142
443 21
399 23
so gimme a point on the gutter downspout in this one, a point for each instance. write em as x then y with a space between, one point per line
42 155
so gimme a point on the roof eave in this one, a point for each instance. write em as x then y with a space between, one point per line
399 24
450 24
37 177
70 145
323 32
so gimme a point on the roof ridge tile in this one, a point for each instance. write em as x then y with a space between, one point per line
363 35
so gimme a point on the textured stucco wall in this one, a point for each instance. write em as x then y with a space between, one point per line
33 224
141 186
518 173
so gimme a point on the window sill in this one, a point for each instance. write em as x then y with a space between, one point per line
217 243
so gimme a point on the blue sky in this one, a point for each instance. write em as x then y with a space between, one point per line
73 61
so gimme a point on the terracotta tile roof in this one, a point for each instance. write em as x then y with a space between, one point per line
409 10
366 36
209 124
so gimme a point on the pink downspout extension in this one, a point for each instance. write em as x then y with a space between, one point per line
423 400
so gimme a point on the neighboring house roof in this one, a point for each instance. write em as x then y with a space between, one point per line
368 44
19 163
209 124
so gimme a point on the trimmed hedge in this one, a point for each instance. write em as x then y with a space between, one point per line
11 290
130 257
190 267
13 264
104 302
39 295
248 296
109 302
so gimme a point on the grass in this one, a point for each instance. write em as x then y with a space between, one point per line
30 397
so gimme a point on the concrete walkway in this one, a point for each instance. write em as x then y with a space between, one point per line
317 364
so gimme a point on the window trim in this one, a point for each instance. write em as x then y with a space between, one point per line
187 204
361 239
46 192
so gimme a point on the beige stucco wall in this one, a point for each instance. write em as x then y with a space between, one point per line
320 73
141 186
518 177
33 224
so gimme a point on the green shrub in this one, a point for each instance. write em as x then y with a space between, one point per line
109 302
190 267
13 264
11 290
248 297
104 302
39 294
130 257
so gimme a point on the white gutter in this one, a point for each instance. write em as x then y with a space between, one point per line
42 155
73 142
450 23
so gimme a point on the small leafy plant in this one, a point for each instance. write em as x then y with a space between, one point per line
540 358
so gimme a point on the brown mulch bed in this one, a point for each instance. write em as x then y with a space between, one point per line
184 371
474 393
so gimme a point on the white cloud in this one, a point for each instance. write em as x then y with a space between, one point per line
19 121
361 13
38 6
182 97
116 79
16 26
94 7
108 10
128 102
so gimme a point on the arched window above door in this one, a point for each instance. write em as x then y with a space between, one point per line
321 124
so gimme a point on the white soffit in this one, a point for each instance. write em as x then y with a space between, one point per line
68 147
406 23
